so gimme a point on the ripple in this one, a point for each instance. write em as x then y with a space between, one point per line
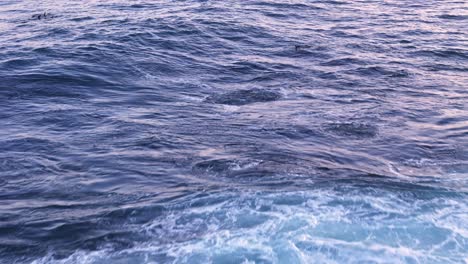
380 71
343 62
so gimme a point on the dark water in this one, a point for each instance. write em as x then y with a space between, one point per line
233 131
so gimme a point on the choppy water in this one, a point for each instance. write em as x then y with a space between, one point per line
233 131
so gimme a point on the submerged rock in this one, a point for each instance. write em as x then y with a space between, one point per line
44 15
301 47
352 129
243 97
225 166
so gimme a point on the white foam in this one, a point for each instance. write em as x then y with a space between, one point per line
327 225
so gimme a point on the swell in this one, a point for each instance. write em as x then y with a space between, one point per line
201 131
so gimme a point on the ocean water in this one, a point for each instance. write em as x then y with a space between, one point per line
190 131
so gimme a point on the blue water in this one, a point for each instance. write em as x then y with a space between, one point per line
234 131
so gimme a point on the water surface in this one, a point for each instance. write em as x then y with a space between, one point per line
233 131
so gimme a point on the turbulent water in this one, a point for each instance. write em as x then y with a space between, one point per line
244 131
